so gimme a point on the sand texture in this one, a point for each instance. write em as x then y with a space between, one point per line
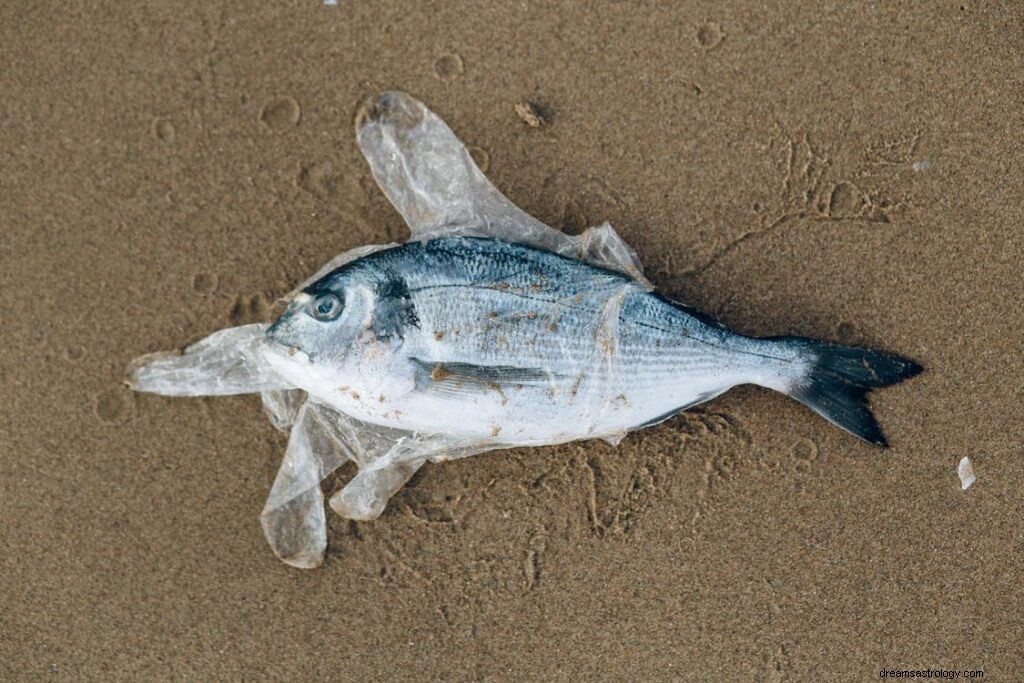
851 173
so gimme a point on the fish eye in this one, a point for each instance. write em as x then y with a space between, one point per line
326 307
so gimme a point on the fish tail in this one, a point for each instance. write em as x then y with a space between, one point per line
835 382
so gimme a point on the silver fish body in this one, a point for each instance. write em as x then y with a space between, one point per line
490 341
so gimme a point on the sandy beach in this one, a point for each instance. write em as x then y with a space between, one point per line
850 173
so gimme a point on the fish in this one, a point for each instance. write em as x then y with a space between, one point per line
486 330
485 340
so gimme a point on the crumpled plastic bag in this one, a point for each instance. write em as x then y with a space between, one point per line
431 179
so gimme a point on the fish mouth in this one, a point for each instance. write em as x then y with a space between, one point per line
276 331
281 345
284 331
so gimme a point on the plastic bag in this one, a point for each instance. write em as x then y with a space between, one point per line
430 177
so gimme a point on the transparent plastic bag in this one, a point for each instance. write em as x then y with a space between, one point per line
431 179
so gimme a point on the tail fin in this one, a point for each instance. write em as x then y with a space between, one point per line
839 379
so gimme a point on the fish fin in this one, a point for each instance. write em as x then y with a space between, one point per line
224 363
701 316
431 179
703 398
839 379
458 378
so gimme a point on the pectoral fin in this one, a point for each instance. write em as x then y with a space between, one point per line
459 378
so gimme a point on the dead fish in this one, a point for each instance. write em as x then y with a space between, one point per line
487 330
481 339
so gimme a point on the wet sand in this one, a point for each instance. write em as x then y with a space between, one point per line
849 174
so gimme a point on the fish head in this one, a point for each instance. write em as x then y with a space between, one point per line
322 325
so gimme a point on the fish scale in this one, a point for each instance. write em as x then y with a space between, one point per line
488 281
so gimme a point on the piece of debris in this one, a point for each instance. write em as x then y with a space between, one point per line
966 472
531 114
921 165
